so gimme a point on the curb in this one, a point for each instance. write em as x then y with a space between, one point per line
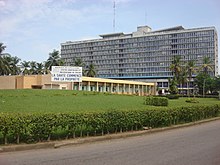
58 144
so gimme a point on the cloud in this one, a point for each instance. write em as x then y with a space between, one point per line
24 15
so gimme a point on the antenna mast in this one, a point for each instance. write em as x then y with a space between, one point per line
114 17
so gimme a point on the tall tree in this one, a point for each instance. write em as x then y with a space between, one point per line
78 62
33 67
175 67
206 65
26 67
182 77
15 70
91 72
2 48
40 68
5 65
54 60
191 69
4 61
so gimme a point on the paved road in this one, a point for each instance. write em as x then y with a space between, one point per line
196 145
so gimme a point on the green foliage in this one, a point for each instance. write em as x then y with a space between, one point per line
192 100
156 101
35 127
170 96
173 86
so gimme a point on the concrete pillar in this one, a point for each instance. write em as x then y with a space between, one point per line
129 89
142 90
133 89
123 90
117 88
97 86
88 86
104 87
80 86
111 88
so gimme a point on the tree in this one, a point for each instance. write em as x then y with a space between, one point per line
26 66
2 48
183 76
191 66
173 86
4 63
175 67
33 67
91 72
54 60
79 63
201 84
15 70
40 68
206 65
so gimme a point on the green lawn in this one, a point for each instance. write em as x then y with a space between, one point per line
77 101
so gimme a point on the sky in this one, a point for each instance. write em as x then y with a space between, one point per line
31 29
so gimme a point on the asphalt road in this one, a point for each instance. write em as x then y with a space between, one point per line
196 145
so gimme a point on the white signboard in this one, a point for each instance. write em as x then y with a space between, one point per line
66 74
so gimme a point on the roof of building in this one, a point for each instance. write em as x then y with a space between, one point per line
170 29
111 35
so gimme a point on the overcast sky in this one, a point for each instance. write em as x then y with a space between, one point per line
31 29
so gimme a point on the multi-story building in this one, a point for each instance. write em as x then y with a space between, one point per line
144 54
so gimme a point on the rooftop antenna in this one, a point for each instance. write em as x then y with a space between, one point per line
114 16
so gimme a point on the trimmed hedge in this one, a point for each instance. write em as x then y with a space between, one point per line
29 128
170 96
156 101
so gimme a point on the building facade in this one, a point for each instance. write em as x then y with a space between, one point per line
88 84
144 54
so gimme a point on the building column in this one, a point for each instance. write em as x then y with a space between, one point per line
117 88
111 88
142 90
97 86
123 90
133 89
88 86
80 86
104 87
129 90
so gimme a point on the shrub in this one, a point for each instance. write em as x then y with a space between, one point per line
156 101
192 100
34 127
170 96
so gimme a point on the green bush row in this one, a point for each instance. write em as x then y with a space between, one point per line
170 96
156 101
29 128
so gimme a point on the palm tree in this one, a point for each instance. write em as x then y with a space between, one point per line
191 69
15 70
39 68
2 48
79 63
26 66
206 65
183 76
175 67
33 67
91 71
54 60
5 65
